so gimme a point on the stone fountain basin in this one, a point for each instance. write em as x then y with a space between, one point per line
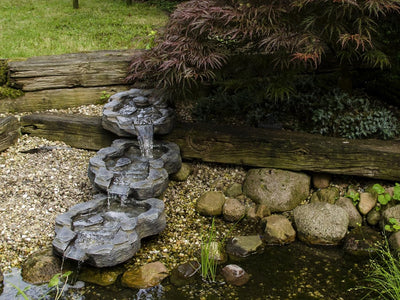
123 109
104 168
104 236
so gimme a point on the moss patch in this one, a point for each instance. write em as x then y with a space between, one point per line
10 93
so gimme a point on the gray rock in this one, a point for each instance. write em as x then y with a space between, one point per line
79 237
40 267
278 230
355 219
139 177
235 275
279 190
321 223
126 108
329 195
321 180
185 273
243 246
373 217
146 276
183 173
257 212
233 210
391 212
234 190
394 241
210 203
367 203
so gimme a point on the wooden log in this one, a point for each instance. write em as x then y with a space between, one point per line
9 132
58 98
249 146
92 69
78 131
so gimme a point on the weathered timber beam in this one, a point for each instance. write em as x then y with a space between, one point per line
77 131
9 132
57 98
91 69
251 147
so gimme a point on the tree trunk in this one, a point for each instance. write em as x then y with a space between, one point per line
75 4
241 146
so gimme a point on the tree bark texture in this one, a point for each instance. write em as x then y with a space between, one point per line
9 132
241 146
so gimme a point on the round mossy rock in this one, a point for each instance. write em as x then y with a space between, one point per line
210 203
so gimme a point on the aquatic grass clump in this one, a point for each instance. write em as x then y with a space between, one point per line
209 250
383 281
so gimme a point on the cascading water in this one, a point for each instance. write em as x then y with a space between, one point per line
107 230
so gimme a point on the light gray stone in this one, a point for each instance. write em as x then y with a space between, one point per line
210 203
355 219
233 210
321 223
367 203
279 190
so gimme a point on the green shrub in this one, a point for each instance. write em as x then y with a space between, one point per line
339 114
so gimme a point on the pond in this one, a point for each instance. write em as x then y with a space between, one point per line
295 271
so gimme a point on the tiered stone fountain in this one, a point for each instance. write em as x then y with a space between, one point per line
130 173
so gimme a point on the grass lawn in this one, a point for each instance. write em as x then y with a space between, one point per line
44 27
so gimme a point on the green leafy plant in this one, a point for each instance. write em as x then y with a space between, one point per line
383 280
396 192
354 196
53 285
383 197
393 225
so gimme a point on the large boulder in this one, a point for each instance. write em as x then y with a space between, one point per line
145 276
321 223
278 189
210 203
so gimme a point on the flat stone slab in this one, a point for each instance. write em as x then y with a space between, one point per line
103 234
120 169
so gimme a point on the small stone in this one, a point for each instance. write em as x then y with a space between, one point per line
235 275
278 230
321 180
367 202
355 218
210 203
146 276
40 267
394 241
99 276
185 273
233 210
373 217
329 195
243 246
234 190
256 213
183 173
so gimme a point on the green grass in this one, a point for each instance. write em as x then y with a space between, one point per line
45 27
